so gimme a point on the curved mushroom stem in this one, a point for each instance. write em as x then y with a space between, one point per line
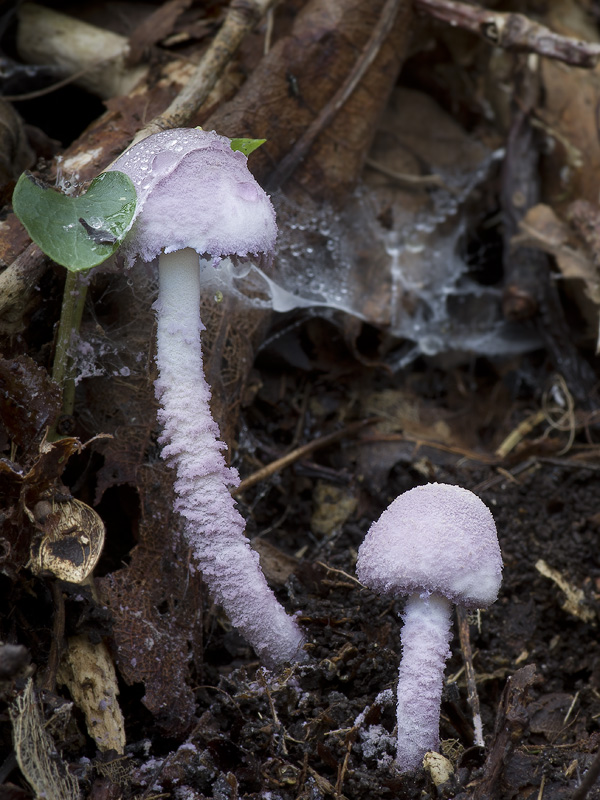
213 526
425 647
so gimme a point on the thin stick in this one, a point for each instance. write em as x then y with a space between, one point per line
240 20
380 32
472 696
420 442
300 452
342 769
341 572
513 32
54 87
589 779
518 434
541 791
405 179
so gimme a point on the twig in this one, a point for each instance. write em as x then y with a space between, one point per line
341 572
344 767
418 181
241 18
518 434
301 452
17 279
590 778
529 291
541 791
54 87
513 32
472 696
530 463
568 463
92 56
511 721
380 32
571 707
420 441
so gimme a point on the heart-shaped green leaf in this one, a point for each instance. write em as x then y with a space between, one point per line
246 146
77 232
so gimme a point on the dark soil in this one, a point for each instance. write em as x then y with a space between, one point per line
325 729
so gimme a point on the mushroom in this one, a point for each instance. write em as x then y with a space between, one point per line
197 204
437 544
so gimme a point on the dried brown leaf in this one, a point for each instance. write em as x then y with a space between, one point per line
36 750
29 401
300 76
156 604
233 332
71 540
573 161
333 505
15 152
543 229
155 27
549 712
276 565
21 489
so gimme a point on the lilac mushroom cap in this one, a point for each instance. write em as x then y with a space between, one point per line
437 544
195 191
434 538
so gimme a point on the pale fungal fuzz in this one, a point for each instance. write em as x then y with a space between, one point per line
437 544
197 204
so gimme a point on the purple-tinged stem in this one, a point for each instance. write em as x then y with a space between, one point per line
425 647
213 526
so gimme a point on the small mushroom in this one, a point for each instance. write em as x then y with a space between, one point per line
437 544
197 204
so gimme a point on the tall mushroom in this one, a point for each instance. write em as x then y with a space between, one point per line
438 544
197 204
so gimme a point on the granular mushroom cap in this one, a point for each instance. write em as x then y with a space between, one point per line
434 538
194 191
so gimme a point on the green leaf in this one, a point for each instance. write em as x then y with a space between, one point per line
77 232
247 146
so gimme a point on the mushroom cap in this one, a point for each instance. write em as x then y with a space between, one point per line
434 538
194 191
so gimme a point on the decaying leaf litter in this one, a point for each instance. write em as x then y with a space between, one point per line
422 179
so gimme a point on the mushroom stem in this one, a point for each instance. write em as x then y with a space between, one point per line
212 525
425 647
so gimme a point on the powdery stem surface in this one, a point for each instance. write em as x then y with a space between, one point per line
425 648
213 526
